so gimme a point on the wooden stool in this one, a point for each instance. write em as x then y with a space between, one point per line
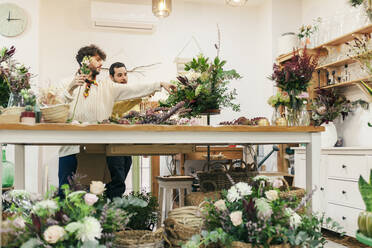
166 186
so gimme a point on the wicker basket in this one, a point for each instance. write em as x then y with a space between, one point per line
140 239
288 192
216 179
182 224
196 198
11 115
55 114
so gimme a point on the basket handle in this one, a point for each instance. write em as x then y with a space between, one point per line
214 164
285 183
242 163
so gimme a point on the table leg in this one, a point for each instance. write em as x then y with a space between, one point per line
19 164
182 197
168 201
160 200
313 170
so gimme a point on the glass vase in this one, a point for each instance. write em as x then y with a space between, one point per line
8 172
304 116
293 116
15 100
275 117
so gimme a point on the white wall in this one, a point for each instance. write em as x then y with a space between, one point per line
27 52
354 129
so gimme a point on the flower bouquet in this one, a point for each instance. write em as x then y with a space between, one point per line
204 87
256 216
13 78
293 77
330 104
81 219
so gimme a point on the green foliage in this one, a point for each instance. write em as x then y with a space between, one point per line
365 190
356 3
144 207
206 238
4 93
204 87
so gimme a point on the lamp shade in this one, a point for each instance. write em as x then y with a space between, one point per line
236 2
161 8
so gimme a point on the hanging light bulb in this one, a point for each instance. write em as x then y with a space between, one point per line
236 2
161 8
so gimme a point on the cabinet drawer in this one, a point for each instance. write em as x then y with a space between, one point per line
346 166
345 216
344 193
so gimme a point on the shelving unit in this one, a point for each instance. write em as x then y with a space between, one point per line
345 84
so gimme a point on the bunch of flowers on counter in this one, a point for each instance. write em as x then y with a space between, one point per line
156 116
204 87
330 105
256 214
81 219
13 76
256 121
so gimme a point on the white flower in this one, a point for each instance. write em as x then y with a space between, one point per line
97 187
236 218
19 222
192 76
90 199
73 227
53 234
220 205
19 193
261 177
277 183
91 229
244 189
4 65
264 210
294 218
233 195
272 195
49 205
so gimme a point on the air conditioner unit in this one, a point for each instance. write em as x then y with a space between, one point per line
125 17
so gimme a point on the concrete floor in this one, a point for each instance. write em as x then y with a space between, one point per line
331 244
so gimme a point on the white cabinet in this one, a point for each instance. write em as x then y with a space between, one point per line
340 169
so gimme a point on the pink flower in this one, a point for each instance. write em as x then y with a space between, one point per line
303 95
277 183
90 199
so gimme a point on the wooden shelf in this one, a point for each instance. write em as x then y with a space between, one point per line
344 84
347 37
336 42
338 63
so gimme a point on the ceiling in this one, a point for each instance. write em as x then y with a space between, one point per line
249 3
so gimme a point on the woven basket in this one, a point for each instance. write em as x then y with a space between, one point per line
216 179
182 224
196 198
55 114
139 238
288 192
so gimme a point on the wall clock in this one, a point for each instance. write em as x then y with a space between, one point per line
13 20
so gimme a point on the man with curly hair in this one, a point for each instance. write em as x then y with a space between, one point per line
92 101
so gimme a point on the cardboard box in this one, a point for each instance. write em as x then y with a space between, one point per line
94 166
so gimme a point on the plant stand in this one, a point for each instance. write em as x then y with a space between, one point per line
166 187
208 113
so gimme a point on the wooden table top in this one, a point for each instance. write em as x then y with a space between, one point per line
157 128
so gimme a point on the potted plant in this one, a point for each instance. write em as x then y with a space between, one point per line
29 99
327 107
254 215
364 233
204 87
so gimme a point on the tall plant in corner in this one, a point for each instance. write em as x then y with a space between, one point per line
365 217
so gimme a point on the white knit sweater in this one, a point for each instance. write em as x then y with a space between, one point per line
100 102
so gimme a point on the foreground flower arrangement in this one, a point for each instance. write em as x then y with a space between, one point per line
81 219
255 214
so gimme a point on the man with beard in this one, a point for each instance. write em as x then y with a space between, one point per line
92 101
